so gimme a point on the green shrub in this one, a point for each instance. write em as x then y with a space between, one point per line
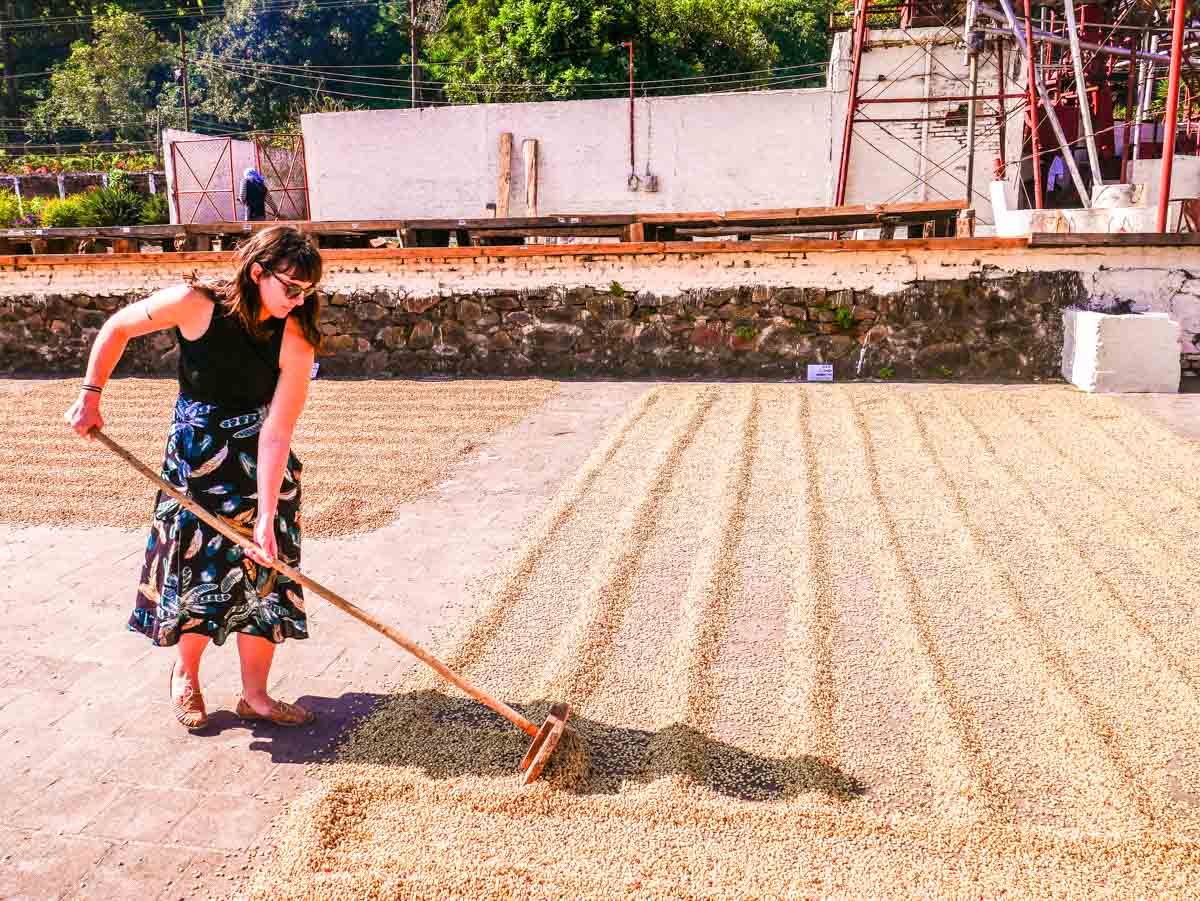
62 213
114 205
10 210
155 210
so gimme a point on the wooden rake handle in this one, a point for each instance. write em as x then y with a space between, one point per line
337 600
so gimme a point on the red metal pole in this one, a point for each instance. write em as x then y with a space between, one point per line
307 210
175 186
1172 120
233 185
1002 118
860 30
1039 197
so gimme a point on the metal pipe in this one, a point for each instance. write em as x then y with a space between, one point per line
923 163
1081 92
860 29
1106 49
1048 105
942 98
1130 100
1172 120
1146 86
1002 117
974 79
1035 140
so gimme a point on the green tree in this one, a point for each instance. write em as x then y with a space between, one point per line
557 49
110 84
258 66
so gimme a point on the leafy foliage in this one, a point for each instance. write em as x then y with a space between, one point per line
62 213
10 210
230 86
155 210
108 85
510 50
100 161
116 204
117 78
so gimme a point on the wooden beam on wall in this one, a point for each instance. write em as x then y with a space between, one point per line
504 185
529 149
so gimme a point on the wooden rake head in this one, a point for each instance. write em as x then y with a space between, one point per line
544 743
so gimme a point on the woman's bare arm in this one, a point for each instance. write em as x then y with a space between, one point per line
275 439
180 307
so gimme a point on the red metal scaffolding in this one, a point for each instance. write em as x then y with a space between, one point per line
1092 75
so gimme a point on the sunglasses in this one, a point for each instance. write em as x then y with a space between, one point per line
290 288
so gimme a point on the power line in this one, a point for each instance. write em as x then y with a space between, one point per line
244 70
215 11
328 73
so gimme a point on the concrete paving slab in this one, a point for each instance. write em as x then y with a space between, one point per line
146 815
133 871
147 810
49 866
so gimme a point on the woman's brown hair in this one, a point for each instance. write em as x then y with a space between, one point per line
281 249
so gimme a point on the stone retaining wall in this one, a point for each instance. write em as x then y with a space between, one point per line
950 312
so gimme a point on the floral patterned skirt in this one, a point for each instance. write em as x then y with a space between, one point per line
195 580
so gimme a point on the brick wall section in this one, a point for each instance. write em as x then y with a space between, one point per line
962 309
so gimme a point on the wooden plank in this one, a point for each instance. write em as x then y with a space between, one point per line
391 226
504 186
611 231
1118 239
834 213
149 232
715 231
529 150
352 255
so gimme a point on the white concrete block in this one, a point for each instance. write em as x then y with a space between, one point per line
1121 354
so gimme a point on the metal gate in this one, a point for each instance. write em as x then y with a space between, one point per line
205 187
280 159
207 176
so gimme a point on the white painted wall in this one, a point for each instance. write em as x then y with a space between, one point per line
1185 178
711 152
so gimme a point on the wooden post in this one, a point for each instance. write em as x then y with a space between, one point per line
529 151
635 233
504 187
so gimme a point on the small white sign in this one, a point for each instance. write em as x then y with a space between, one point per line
820 372
316 367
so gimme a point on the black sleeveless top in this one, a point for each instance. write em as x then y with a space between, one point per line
226 366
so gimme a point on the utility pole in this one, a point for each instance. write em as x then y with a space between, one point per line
629 44
187 106
412 46
8 59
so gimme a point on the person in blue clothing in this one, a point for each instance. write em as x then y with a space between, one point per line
255 196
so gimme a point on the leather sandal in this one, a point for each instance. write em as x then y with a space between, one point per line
188 707
282 713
